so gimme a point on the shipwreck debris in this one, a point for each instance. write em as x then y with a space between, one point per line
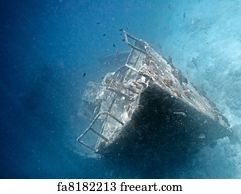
148 106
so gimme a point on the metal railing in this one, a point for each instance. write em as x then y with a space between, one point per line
90 128
119 76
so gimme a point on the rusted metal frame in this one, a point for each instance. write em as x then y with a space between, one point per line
99 134
126 36
108 113
109 110
146 52
96 132
121 80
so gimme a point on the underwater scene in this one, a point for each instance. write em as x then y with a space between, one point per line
120 89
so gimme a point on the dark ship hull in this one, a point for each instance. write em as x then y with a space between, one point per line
163 123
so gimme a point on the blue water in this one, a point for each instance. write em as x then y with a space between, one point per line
47 47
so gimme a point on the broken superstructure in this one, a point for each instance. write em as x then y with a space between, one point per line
148 106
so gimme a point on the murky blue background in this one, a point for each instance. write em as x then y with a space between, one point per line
47 46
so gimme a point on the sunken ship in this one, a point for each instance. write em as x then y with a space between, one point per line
148 109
